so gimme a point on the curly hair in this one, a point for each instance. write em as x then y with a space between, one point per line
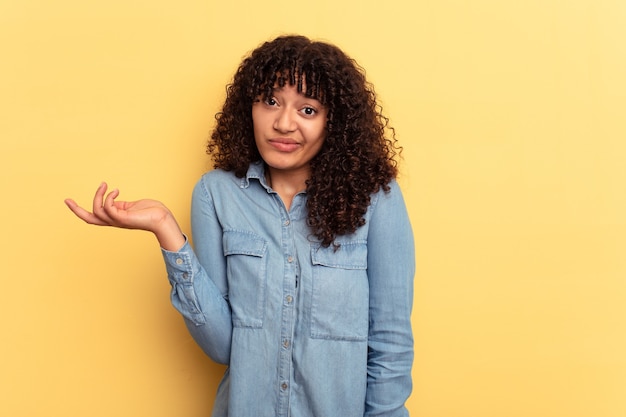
358 156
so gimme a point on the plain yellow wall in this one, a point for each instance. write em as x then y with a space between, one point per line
512 118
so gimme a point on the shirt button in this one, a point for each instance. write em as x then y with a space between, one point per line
290 259
284 386
286 343
185 275
179 261
286 223
289 299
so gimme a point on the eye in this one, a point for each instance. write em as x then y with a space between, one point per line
270 101
309 111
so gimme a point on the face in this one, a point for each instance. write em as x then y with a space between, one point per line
289 130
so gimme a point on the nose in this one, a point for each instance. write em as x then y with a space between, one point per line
285 120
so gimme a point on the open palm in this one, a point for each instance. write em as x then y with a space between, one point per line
145 214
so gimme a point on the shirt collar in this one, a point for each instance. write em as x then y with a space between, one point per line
256 170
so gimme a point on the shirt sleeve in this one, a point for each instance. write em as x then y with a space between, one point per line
391 268
198 281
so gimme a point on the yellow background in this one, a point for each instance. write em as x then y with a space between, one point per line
512 118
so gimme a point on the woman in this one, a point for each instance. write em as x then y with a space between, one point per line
301 275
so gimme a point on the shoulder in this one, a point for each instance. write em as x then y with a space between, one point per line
216 178
215 182
385 204
217 175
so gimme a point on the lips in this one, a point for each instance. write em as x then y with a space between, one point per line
284 144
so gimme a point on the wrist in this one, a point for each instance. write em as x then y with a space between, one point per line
169 235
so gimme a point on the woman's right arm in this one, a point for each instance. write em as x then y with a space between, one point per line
199 298
199 282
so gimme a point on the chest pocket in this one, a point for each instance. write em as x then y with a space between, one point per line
340 292
246 262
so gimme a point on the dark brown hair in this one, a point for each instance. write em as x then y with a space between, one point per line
358 154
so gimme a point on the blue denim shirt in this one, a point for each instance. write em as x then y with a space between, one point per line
306 331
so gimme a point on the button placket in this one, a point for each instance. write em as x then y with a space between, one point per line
287 314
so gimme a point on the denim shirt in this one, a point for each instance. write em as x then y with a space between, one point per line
306 331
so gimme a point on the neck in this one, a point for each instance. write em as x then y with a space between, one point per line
286 184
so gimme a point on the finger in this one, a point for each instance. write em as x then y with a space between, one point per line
83 214
99 196
98 202
109 204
